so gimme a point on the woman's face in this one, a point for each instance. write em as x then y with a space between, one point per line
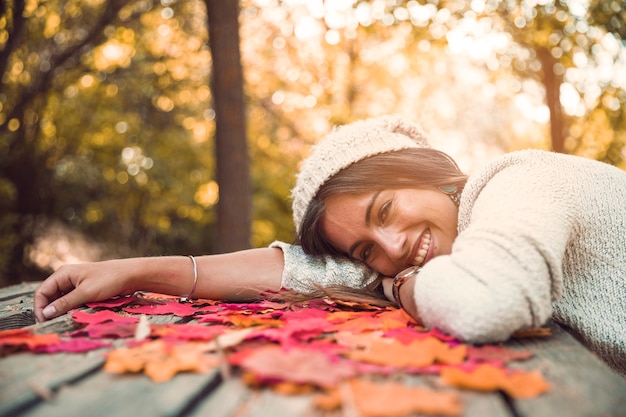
391 229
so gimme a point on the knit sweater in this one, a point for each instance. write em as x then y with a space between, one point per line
541 235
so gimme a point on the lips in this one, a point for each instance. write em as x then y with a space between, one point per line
424 249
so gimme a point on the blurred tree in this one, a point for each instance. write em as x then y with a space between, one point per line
231 147
93 100
557 43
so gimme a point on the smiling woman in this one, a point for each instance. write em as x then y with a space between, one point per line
534 235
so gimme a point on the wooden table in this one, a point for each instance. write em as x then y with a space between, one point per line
74 384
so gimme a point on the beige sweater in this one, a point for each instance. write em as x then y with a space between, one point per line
540 235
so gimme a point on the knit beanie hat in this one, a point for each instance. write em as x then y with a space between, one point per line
348 144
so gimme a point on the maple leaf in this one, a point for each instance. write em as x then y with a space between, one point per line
487 377
108 330
396 318
418 353
24 337
159 360
101 317
113 302
301 366
392 399
250 321
188 331
75 345
171 307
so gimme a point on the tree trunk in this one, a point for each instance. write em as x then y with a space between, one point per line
231 148
552 84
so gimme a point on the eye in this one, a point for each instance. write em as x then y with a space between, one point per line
365 252
384 212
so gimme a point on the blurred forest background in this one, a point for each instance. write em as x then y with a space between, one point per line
108 115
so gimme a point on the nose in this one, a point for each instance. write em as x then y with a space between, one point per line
393 243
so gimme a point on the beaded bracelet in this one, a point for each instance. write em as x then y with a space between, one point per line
187 299
400 279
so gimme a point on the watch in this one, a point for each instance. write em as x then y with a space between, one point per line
400 279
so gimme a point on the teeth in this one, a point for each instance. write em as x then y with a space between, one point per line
423 250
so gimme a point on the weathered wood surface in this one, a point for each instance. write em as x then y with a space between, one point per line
67 385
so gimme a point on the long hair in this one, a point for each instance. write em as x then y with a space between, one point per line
407 168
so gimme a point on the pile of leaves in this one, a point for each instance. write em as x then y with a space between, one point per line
345 354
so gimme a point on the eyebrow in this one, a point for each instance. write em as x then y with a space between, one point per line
368 220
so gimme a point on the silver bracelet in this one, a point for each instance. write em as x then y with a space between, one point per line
187 299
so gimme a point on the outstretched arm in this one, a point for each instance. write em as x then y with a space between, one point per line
233 276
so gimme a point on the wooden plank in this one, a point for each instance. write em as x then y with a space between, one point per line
12 291
265 403
474 403
229 399
582 385
25 378
16 306
103 395
17 312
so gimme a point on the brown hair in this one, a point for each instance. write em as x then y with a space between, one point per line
406 168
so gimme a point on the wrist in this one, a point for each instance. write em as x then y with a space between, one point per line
399 282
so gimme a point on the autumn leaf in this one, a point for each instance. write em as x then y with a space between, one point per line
418 353
172 307
302 366
392 399
108 329
159 360
101 317
396 318
517 384
188 331
75 345
251 321
24 337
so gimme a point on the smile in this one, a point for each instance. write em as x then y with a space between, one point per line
422 252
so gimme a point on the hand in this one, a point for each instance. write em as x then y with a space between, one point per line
74 285
388 289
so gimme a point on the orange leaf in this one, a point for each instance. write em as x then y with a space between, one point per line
329 400
160 361
392 399
525 384
396 318
21 337
486 377
418 353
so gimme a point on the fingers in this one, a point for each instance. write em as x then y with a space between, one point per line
56 295
387 284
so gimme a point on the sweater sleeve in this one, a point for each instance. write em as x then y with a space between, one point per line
303 272
505 268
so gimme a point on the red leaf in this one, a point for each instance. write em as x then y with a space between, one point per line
76 345
303 366
101 317
172 307
109 330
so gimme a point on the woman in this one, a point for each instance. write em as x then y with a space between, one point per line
534 235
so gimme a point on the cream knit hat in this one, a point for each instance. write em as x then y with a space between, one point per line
348 144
